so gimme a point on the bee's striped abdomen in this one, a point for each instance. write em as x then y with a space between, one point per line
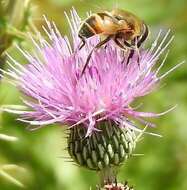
90 27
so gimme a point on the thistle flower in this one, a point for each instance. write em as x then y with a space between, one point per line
96 106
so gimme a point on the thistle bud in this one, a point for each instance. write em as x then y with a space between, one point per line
106 148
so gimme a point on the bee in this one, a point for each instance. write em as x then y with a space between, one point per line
121 26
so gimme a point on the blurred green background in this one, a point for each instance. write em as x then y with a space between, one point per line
164 164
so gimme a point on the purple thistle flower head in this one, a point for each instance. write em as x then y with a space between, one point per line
58 93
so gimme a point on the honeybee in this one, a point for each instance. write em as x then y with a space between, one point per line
121 26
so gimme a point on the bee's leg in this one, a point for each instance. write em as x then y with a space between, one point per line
129 45
126 46
83 42
116 40
133 46
138 60
140 40
137 40
96 47
144 36
130 55
136 44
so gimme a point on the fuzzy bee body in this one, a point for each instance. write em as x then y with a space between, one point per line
123 27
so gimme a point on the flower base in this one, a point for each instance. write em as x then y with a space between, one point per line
106 148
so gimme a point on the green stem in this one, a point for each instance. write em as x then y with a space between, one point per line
108 175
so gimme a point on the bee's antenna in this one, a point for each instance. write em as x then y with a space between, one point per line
137 50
